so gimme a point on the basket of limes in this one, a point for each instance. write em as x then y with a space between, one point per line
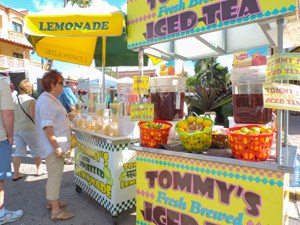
195 133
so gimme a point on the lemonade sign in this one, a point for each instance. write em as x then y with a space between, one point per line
144 112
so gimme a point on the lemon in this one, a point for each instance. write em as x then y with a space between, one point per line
199 120
207 123
191 119
183 125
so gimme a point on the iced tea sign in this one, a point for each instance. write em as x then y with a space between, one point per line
153 21
283 66
281 96
141 85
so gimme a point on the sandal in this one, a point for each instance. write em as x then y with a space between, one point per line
61 205
69 161
61 215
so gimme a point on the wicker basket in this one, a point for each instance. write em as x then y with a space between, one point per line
197 141
250 147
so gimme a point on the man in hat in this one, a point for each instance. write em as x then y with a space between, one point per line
67 97
69 100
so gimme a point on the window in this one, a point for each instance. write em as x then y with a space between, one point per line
17 27
17 55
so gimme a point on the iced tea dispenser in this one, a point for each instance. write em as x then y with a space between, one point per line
247 95
168 95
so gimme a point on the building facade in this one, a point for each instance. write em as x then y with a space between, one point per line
15 50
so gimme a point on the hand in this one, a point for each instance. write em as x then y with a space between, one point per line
71 116
10 140
58 152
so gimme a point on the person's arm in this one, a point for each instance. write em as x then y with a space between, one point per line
52 139
73 108
71 99
9 119
32 109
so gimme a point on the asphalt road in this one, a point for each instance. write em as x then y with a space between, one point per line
28 194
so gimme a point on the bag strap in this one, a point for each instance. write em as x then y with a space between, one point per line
24 110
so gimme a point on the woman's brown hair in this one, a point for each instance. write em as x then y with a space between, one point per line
49 78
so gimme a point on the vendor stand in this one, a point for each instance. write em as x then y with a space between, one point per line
105 168
177 187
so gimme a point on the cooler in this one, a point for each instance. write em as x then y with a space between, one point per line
167 95
247 93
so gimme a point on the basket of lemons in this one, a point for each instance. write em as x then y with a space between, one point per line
251 142
195 133
153 134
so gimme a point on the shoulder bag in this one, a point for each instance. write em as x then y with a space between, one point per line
24 110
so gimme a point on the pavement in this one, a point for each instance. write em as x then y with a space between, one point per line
28 194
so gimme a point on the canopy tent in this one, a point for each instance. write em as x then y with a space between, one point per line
94 75
81 35
125 80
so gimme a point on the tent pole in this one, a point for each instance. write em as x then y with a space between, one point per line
279 111
103 69
141 71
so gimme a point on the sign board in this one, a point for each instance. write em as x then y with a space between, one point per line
281 96
283 67
58 25
254 57
144 112
141 85
155 21
186 191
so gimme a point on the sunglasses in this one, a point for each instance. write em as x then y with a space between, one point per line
61 84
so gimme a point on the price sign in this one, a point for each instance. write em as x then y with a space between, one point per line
143 112
140 85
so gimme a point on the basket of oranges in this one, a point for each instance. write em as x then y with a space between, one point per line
153 134
195 133
250 143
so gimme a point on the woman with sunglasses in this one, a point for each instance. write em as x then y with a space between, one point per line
53 128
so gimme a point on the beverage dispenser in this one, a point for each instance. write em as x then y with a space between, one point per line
168 95
247 92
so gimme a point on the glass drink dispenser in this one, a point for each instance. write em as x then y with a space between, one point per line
168 95
247 95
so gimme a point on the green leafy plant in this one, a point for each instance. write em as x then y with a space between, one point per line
210 88
208 99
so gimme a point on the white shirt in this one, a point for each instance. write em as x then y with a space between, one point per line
50 112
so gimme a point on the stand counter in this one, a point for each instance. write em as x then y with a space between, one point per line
211 188
105 168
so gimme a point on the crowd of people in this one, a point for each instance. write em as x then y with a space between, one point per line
42 125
